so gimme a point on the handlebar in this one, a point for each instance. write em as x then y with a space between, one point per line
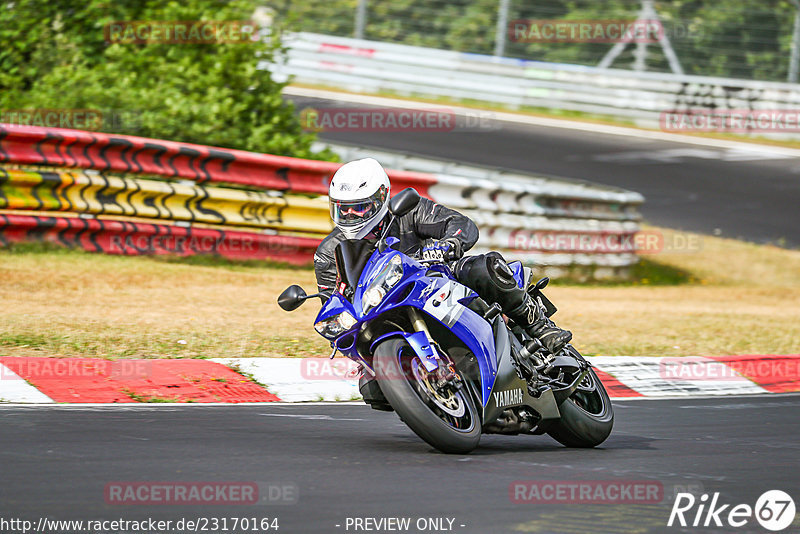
446 261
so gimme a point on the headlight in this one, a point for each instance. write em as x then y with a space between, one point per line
336 325
389 275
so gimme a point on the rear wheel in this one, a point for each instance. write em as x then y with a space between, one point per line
439 411
586 415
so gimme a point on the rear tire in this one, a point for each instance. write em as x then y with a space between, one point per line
586 419
393 360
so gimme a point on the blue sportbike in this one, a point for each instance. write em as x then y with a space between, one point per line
448 363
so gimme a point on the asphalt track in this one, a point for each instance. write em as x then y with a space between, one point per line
349 461
741 194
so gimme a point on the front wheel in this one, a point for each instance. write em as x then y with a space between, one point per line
443 414
586 415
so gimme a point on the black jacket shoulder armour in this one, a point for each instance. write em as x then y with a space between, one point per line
428 220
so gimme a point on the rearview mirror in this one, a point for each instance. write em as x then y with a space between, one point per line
403 202
292 297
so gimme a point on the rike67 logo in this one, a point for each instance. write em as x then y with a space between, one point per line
774 510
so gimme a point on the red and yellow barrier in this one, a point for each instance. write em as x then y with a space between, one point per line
275 194
131 238
97 194
32 145
93 182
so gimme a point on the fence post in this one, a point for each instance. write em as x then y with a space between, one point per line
647 14
795 58
361 19
502 28
640 57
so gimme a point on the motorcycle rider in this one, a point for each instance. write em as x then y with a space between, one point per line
359 195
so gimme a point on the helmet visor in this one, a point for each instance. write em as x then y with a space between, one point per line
353 212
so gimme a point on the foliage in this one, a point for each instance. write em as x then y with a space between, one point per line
54 55
730 38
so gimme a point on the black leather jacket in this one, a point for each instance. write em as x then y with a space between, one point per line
428 220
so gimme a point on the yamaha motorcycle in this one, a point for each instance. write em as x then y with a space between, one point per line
452 366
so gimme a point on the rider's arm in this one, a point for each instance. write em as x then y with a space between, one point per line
435 221
325 266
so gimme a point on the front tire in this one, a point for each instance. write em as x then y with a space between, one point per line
586 416
451 424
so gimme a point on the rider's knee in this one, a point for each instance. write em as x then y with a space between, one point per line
488 274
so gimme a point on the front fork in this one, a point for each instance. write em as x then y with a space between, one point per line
430 355
448 374
420 341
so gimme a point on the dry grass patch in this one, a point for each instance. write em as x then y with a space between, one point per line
740 298
743 299
72 303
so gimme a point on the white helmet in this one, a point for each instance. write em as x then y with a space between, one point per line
359 196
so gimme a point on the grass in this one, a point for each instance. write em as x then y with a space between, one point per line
238 369
150 398
70 303
727 297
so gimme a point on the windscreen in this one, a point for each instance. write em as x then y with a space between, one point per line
351 257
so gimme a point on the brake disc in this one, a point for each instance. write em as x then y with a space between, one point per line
452 404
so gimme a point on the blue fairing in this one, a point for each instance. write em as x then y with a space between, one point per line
419 343
440 297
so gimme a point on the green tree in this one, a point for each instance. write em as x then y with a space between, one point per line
733 38
54 55
747 39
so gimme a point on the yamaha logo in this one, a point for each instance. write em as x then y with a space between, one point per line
508 397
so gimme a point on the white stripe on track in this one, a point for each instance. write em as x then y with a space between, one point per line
14 388
649 377
284 378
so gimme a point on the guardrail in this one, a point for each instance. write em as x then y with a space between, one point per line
130 195
554 223
373 66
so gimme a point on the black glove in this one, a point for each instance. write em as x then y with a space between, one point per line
442 250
